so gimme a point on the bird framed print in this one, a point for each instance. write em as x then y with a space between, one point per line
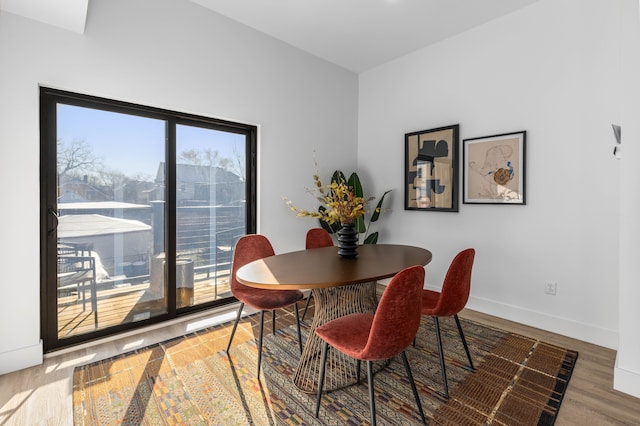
494 169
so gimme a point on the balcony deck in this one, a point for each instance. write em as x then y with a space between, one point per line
130 300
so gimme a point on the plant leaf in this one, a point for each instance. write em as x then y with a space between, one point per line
338 177
376 212
354 182
371 239
330 228
325 226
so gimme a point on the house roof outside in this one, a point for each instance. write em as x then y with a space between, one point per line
100 205
85 225
192 173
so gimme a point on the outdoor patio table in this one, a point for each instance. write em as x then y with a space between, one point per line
340 286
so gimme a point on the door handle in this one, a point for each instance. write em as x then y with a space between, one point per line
54 214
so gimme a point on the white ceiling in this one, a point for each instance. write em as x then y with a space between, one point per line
355 34
68 14
361 34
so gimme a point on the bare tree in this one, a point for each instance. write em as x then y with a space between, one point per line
206 157
238 165
75 158
110 178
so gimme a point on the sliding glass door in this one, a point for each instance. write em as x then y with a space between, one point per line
141 209
107 164
210 211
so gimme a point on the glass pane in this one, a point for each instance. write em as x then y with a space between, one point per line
210 215
111 219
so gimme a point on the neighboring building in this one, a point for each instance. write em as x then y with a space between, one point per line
202 185
73 189
113 240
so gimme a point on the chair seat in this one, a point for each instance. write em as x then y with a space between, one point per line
72 279
429 301
348 334
267 300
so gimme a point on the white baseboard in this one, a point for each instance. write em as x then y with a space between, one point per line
21 358
564 326
139 337
626 381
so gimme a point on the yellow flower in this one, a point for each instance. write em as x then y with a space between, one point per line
338 203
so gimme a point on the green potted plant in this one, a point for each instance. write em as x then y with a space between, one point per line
342 205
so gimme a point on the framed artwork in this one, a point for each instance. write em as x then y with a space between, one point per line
494 169
431 170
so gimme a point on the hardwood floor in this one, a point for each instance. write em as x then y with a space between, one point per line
42 395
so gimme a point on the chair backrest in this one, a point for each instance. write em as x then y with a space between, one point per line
248 248
397 317
457 284
318 237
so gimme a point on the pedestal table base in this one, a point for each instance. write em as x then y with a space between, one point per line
341 370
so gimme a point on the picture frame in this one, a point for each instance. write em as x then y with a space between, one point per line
432 169
494 169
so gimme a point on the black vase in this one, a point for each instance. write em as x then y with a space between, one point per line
348 240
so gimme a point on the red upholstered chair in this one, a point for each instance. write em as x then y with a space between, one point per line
379 336
250 248
316 238
449 301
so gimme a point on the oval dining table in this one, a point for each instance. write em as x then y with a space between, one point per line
340 286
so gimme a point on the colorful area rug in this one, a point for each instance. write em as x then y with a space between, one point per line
518 381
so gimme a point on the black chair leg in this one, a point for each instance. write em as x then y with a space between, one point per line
325 349
295 306
372 398
358 362
235 325
260 342
306 306
413 386
442 367
464 343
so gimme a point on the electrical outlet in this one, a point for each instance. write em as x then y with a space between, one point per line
550 287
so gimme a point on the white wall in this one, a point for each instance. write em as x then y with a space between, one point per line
552 69
627 371
169 54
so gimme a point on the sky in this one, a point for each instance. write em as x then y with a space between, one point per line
135 145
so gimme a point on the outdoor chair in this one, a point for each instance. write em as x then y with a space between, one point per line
78 274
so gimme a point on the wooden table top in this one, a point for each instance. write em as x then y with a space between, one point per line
323 267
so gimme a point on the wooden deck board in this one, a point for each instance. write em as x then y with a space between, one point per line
120 304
